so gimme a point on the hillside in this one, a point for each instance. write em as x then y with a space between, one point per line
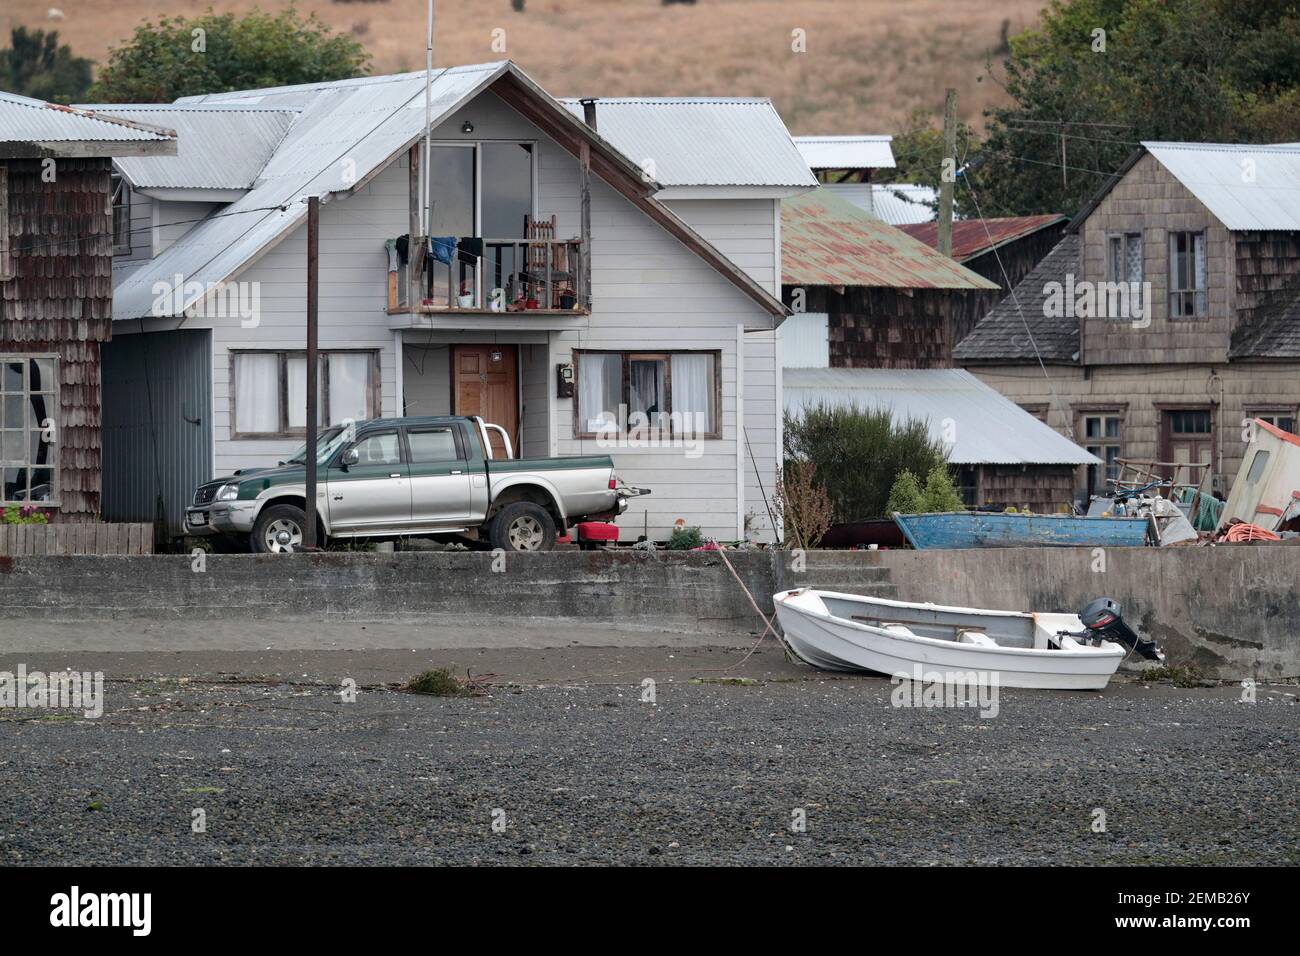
868 65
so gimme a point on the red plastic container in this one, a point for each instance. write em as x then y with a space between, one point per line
597 532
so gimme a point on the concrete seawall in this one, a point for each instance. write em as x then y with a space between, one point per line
1234 612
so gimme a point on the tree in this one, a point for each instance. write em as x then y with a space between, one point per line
36 65
214 53
856 454
1101 76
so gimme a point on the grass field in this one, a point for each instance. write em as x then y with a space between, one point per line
868 63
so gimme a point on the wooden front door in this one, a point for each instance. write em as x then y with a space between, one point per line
485 382
1187 436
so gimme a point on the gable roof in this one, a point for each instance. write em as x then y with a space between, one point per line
826 240
1018 329
702 141
975 237
990 428
219 146
1262 195
1267 199
369 121
60 129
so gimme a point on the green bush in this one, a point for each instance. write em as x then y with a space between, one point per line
858 454
939 494
684 539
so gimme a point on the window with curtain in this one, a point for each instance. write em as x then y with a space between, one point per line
270 391
1187 275
643 392
28 409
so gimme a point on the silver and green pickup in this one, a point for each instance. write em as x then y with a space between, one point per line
391 478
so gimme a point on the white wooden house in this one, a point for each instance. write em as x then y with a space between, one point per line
663 297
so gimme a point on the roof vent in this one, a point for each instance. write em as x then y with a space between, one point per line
589 111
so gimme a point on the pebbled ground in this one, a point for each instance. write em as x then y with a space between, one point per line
579 769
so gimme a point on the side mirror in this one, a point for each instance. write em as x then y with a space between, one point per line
350 457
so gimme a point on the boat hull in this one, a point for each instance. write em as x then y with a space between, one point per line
977 529
835 643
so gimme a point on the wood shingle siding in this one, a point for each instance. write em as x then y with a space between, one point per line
59 302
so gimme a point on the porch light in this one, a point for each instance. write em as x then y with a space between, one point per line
467 127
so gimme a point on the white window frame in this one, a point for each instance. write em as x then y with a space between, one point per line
6 258
1200 295
628 356
29 425
120 204
373 386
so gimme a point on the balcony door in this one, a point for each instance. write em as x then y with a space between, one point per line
481 190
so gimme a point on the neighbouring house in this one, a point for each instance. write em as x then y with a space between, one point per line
1002 250
845 166
588 261
876 314
1167 317
1000 456
57 235
870 293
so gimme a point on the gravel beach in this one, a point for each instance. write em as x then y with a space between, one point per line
563 762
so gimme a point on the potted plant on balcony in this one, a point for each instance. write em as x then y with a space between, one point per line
465 299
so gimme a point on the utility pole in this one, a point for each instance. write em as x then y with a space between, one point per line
313 290
948 172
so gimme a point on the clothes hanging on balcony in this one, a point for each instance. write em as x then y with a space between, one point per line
442 247
469 249
403 249
390 246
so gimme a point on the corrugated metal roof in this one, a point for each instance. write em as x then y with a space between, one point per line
219 146
988 428
686 141
846 152
366 120
894 203
25 120
974 237
828 241
1244 186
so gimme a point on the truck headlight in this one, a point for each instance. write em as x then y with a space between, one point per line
228 492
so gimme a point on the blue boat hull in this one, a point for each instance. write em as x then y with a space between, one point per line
975 529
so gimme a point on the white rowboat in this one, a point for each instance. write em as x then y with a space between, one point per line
847 632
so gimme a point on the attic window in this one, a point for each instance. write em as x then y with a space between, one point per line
121 217
6 266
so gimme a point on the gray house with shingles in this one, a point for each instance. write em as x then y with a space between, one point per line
56 296
1211 236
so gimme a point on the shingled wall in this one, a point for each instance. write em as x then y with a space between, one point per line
60 301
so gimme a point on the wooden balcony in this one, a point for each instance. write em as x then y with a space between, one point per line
515 276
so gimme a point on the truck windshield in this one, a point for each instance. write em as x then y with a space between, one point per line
327 443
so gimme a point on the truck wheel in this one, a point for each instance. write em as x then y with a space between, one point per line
523 526
278 530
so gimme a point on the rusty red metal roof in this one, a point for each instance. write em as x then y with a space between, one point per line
974 237
826 240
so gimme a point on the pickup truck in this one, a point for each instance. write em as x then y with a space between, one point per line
390 478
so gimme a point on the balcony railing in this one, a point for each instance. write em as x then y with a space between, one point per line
511 275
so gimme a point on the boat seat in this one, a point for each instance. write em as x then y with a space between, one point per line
902 630
978 638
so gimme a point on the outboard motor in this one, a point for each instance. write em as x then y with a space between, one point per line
1103 621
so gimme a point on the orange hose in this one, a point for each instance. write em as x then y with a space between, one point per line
1250 532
